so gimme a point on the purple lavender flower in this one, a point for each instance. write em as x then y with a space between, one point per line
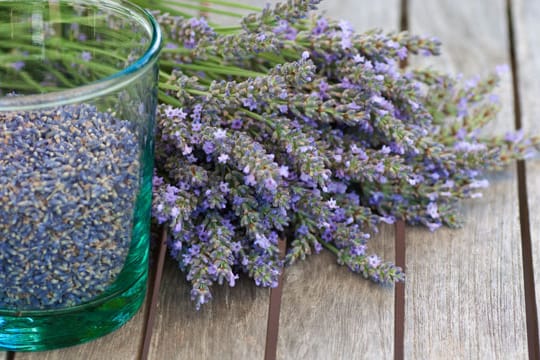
236 247
346 41
432 210
209 147
250 102
196 126
388 219
175 212
250 180
468 147
270 184
196 113
402 53
477 184
86 56
432 226
283 28
321 27
173 112
514 137
170 195
374 261
376 198
337 187
157 181
332 204
177 228
302 230
176 246
186 150
327 235
18 65
262 241
354 106
236 124
346 34
358 59
220 134
358 250
462 107
223 158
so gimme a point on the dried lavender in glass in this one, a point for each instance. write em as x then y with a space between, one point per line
77 101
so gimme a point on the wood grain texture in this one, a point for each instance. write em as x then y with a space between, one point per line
231 326
464 292
327 311
122 344
526 14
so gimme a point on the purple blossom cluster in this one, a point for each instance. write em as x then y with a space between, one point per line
296 128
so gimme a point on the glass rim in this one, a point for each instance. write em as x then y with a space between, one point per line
109 84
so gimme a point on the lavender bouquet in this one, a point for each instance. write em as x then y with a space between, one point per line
294 127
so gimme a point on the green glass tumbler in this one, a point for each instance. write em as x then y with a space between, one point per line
78 94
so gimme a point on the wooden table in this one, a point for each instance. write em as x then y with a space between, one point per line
469 294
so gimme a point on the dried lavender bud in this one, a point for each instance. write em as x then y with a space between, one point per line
264 91
188 33
289 13
212 241
68 181
239 47
301 148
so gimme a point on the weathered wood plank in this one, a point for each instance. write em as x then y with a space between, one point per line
3 355
328 312
526 14
231 326
122 344
464 293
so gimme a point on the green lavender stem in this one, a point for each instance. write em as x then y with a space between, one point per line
231 5
223 70
201 8
330 247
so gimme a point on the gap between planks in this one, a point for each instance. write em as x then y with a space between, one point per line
274 310
399 293
153 294
399 242
526 242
